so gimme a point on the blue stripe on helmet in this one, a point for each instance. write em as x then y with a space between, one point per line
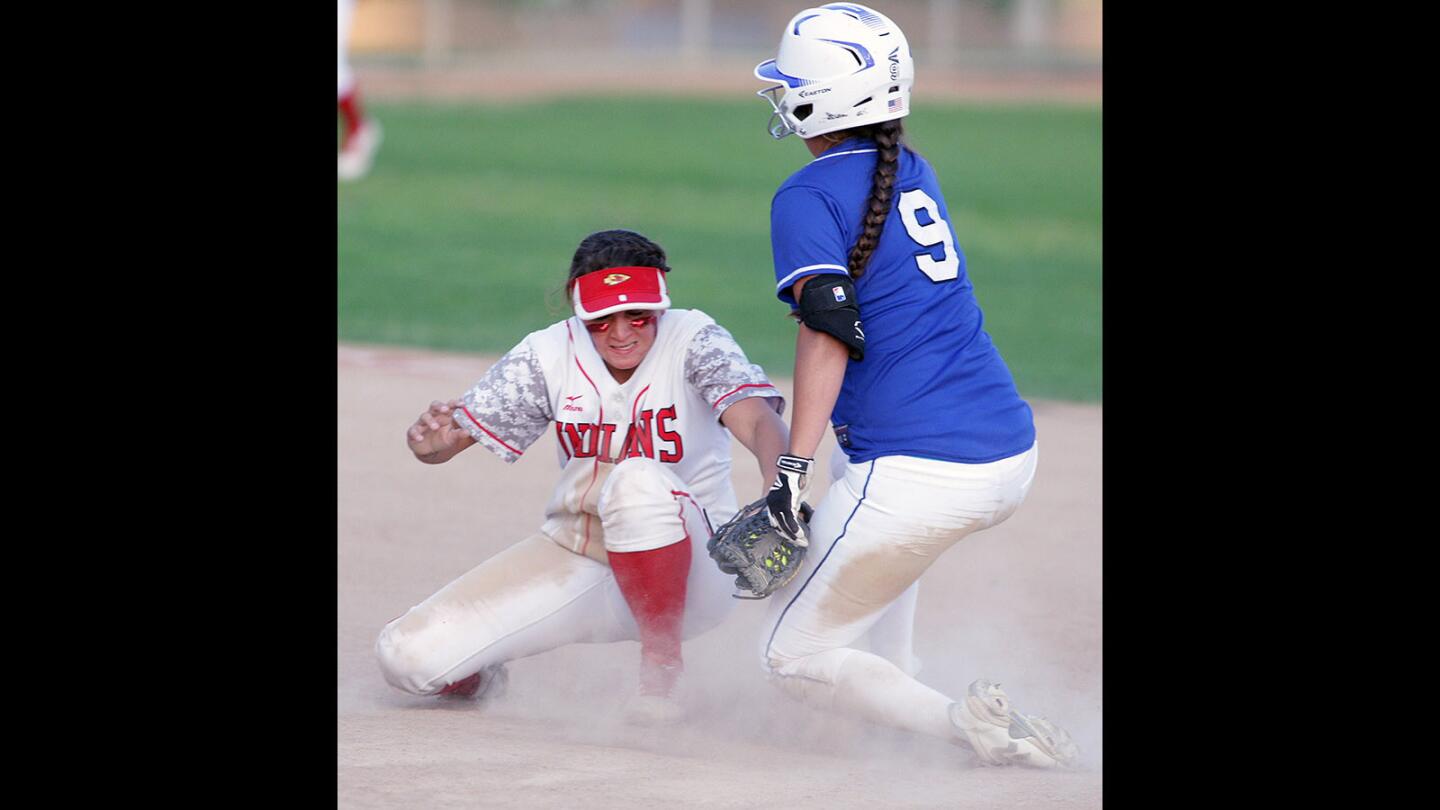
869 62
801 20
770 71
865 14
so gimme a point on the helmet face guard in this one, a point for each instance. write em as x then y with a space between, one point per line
839 66
777 126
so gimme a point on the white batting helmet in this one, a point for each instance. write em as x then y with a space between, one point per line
840 65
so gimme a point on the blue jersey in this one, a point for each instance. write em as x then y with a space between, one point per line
931 384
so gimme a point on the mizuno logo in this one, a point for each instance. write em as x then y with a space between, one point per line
577 396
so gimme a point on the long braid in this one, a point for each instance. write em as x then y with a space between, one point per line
889 137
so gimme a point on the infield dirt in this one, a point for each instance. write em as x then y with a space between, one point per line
1020 604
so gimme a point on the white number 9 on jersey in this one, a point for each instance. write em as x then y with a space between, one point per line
936 233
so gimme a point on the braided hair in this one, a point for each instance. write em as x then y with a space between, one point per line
889 137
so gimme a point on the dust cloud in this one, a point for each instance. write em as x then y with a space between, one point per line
1019 604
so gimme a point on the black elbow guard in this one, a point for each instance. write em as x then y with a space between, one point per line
827 304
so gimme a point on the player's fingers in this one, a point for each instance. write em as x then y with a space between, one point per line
794 531
782 525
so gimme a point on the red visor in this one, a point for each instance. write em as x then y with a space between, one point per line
617 289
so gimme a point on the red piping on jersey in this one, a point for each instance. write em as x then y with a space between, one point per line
595 470
746 385
488 433
634 406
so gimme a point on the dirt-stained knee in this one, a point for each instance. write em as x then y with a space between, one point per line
402 663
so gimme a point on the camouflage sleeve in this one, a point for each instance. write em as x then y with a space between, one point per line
509 408
717 367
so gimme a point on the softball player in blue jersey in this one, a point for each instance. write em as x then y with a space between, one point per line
892 352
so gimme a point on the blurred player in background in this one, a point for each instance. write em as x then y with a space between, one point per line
643 400
938 441
361 135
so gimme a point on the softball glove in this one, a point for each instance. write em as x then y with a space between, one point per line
762 559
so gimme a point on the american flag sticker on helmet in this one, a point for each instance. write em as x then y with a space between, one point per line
894 104
839 293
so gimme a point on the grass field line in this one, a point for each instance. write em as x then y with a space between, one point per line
465 368
732 78
463 231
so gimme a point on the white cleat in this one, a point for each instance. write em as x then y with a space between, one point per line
359 152
653 710
986 723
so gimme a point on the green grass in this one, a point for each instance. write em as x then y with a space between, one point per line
462 234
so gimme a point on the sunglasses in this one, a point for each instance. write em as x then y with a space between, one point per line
636 322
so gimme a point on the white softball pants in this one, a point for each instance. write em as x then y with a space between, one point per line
874 534
536 596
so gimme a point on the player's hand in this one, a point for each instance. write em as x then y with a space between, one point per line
783 500
435 436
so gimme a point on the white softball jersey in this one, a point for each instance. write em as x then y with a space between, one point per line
644 464
669 411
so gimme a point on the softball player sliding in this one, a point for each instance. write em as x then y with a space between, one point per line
643 400
938 440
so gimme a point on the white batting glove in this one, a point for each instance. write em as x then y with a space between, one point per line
783 500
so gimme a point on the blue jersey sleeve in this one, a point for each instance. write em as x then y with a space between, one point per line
806 237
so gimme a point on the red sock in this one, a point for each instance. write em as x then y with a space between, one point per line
352 113
465 687
653 583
